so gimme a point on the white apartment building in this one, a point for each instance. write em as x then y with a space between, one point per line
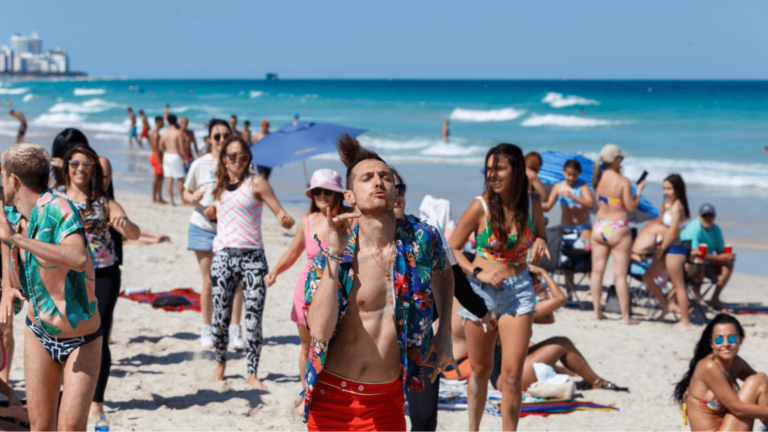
26 56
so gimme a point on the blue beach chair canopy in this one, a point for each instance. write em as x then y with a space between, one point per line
552 172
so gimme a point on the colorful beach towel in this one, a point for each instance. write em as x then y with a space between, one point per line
746 310
187 293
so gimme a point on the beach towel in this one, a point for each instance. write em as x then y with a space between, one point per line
746 310
188 293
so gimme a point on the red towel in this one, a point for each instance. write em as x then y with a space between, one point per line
188 293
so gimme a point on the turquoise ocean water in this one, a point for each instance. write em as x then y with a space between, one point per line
712 133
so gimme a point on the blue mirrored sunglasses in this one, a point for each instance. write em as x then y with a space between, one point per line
732 339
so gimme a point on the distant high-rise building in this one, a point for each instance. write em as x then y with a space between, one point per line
20 44
35 43
26 55
6 59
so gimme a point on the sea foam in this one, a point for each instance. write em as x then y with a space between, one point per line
566 121
29 97
557 100
451 149
90 106
255 93
14 91
467 115
88 92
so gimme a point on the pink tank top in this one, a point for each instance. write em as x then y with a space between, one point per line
238 223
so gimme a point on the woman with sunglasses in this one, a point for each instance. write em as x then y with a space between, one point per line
239 250
198 190
325 191
610 233
709 393
509 227
84 186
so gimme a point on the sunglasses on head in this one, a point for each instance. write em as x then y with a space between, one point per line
400 189
321 191
732 339
220 137
243 157
76 164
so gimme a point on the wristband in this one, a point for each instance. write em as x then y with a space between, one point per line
337 258
476 272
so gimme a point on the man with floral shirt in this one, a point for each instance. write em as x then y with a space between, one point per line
368 300
45 247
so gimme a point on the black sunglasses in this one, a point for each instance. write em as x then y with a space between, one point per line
400 189
220 137
76 164
321 191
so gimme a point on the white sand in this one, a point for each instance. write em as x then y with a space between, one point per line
161 377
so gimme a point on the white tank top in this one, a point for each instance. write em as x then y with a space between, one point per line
238 217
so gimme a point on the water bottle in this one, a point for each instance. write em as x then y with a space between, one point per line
102 425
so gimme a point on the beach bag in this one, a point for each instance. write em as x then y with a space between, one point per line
550 384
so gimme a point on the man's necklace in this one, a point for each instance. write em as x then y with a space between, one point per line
387 272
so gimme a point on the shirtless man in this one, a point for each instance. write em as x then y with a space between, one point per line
132 135
63 335
144 128
189 139
175 158
233 124
358 370
157 162
264 131
532 166
446 130
246 132
22 126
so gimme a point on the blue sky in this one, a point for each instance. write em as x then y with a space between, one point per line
504 39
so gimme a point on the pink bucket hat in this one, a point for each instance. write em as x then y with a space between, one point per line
325 179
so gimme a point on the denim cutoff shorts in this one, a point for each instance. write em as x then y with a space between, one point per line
514 297
200 239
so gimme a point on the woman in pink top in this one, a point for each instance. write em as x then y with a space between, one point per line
325 191
238 250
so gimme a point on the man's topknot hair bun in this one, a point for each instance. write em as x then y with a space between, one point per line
352 153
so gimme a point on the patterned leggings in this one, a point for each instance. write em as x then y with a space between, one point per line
230 266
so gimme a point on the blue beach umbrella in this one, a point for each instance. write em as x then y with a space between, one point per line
552 172
294 142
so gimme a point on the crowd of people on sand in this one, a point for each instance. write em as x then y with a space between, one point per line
368 265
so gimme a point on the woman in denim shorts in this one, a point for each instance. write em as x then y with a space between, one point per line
508 226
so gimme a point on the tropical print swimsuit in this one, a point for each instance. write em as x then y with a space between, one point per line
490 247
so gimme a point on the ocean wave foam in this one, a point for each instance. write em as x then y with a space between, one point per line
557 100
395 144
467 115
29 97
88 92
709 173
451 149
90 106
253 94
566 121
14 91
77 120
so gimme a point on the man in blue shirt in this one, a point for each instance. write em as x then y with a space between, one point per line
703 230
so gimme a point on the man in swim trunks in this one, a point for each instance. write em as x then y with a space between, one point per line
63 338
246 132
132 135
144 128
371 330
188 138
157 162
22 125
264 131
175 158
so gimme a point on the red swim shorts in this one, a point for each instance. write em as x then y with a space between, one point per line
340 404
145 133
157 165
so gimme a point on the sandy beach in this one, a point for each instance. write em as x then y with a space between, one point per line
161 377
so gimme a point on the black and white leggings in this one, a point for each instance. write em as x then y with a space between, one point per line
230 267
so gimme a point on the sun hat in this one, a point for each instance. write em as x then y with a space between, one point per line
325 179
611 152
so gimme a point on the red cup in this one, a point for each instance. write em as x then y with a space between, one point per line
728 249
703 249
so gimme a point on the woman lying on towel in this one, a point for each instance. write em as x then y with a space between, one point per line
558 348
711 397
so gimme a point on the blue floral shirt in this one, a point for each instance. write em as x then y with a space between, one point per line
418 252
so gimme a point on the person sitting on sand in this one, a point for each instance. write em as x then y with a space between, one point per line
326 192
709 392
84 186
610 233
672 253
63 338
533 164
239 250
704 231
575 201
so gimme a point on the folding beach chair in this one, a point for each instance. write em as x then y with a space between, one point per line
561 261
